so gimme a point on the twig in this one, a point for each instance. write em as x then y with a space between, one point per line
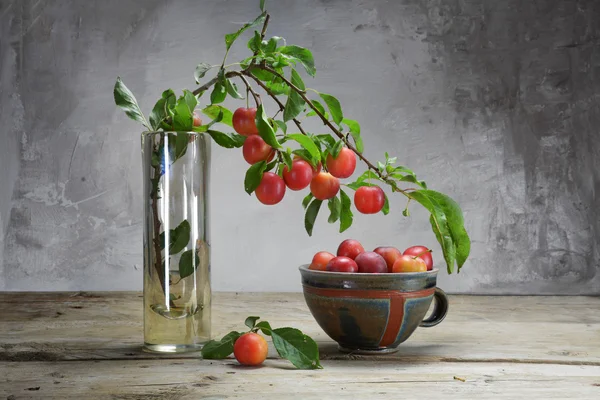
248 87
212 82
283 78
279 103
157 250
264 28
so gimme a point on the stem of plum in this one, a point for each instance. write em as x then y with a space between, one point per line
420 254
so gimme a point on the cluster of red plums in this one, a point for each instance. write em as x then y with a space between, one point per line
352 257
323 185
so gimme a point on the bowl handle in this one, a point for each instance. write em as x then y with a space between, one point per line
440 309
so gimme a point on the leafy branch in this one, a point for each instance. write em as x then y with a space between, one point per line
268 67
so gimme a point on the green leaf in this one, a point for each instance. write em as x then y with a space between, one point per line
335 208
262 5
254 44
455 220
335 151
311 215
439 224
305 155
293 345
254 176
327 140
218 94
272 44
155 159
188 262
262 75
294 104
219 349
231 37
232 89
301 54
282 125
272 165
265 327
214 111
307 200
386 206
367 175
307 143
201 70
178 237
356 185
159 112
346 212
181 143
183 112
190 100
334 107
319 107
128 103
355 133
227 140
251 321
278 86
265 129
287 160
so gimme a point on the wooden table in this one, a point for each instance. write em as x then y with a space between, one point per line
87 346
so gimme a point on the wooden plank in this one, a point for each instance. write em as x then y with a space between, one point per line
88 326
195 379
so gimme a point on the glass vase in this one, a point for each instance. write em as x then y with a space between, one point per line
177 292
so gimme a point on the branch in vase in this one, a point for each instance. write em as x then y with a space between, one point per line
157 250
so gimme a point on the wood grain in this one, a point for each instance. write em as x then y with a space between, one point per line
88 345
196 379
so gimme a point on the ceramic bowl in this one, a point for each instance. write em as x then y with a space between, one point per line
372 313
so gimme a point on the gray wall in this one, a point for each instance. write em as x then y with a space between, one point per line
494 102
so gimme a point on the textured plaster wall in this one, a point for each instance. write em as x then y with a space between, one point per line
494 102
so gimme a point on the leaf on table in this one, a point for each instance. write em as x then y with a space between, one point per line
251 322
293 345
219 349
